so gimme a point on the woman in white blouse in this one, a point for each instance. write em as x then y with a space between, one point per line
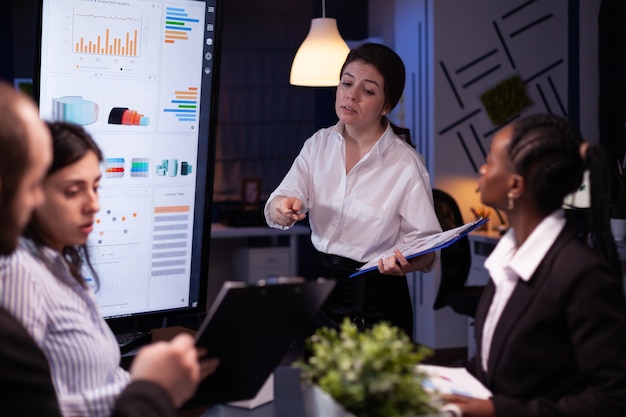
365 190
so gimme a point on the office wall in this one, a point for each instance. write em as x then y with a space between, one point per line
455 50
263 121
475 49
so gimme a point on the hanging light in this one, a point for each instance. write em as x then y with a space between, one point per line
320 57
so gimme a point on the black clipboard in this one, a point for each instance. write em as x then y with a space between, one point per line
425 244
250 328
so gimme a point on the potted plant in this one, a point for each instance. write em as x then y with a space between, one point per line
618 206
370 373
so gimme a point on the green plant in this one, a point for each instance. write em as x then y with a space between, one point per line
505 100
618 207
370 373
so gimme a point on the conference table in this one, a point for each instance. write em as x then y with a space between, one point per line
290 397
290 400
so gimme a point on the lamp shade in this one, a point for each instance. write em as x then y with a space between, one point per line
320 57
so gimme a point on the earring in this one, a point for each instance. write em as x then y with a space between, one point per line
511 200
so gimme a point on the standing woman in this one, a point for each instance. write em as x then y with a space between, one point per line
551 324
43 285
366 190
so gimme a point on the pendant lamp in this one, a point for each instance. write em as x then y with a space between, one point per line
320 57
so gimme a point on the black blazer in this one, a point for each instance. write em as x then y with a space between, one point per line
559 348
26 387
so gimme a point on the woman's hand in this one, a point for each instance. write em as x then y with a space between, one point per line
472 407
286 210
397 264
174 366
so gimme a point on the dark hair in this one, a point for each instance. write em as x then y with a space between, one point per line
546 151
70 143
14 162
391 67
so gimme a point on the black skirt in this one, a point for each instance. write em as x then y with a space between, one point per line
366 299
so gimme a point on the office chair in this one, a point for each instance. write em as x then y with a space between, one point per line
455 262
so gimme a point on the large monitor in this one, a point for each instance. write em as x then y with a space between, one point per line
141 76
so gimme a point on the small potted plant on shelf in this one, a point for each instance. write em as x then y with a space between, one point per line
369 374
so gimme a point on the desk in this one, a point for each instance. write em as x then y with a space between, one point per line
481 245
227 242
483 242
219 231
287 399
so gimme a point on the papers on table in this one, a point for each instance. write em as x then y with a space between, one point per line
453 380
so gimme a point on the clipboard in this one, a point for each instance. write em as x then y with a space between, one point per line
250 328
425 244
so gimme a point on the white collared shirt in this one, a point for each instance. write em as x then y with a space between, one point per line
385 199
507 263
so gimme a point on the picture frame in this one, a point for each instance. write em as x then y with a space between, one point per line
251 191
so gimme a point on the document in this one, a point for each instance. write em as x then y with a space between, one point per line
452 380
424 244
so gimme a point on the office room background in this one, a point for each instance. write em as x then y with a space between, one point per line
566 53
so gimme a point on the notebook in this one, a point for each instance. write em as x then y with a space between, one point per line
250 328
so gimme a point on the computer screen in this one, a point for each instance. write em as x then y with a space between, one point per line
141 77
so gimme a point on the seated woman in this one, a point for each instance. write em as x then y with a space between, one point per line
551 324
43 286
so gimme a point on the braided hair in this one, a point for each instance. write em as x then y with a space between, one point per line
546 151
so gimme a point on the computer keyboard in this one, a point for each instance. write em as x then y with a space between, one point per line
132 340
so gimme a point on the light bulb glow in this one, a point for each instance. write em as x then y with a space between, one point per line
320 57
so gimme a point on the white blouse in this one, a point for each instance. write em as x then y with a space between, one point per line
509 263
386 198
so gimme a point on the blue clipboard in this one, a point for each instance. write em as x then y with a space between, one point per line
425 244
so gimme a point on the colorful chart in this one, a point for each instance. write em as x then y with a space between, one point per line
185 105
178 24
101 34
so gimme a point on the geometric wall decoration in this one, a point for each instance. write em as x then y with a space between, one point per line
505 99
493 61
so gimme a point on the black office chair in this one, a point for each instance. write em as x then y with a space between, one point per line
455 262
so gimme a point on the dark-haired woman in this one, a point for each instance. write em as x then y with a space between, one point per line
551 324
43 286
365 190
